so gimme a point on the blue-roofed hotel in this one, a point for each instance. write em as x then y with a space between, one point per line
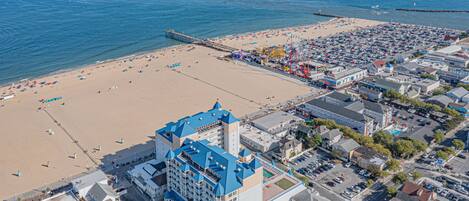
217 125
199 171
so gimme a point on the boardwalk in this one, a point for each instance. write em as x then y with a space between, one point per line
204 42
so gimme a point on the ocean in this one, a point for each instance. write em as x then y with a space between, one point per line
40 37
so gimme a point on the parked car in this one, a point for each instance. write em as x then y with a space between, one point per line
461 156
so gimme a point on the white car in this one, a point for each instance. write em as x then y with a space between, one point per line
347 165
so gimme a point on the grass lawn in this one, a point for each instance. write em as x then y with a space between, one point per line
284 183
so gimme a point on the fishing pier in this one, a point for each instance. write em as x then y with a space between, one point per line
181 37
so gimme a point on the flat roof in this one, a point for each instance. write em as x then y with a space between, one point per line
275 119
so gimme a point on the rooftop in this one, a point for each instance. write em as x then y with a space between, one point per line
458 92
276 119
338 110
193 124
89 179
218 167
347 144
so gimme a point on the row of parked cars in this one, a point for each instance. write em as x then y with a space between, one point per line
350 192
460 187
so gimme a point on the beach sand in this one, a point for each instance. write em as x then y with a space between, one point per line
129 98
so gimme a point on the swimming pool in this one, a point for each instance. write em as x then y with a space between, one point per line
395 132
267 174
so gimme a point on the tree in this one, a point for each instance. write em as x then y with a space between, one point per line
428 76
416 175
393 165
399 178
449 150
419 145
392 191
383 138
458 144
314 141
441 154
439 136
404 148
369 183
375 171
465 86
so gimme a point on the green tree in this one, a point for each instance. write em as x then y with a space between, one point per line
375 171
314 141
392 191
416 175
399 178
383 138
449 150
369 183
419 145
465 86
441 154
458 144
393 165
428 76
439 136
404 148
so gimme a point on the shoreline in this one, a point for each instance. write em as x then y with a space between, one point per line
136 54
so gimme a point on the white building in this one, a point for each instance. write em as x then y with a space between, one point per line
218 126
277 123
93 187
150 178
427 85
344 77
257 139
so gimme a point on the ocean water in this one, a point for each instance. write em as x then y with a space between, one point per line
39 37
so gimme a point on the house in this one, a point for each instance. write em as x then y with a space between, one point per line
384 85
288 148
82 185
331 137
365 157
304 130
440 100
457 93
414 192
101 192
377 67
150 178
344 148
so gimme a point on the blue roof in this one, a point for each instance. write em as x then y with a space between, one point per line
219 190
170 155
225 166
190 124
254 164
217 105
171 195
244 153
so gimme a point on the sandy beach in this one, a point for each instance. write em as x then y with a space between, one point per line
129 98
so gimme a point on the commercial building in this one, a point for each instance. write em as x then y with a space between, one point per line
343 78
456 56
364 116
457 93
277 123
345 148
427 85
199 171
257 139
440 100
217 125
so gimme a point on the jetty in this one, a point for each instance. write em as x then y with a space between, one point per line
432 11
327 15
181 37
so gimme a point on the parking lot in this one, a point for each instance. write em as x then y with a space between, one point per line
419 128
460 164
342 179
447 189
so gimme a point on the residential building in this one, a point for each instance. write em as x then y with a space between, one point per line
427 85
465 99
440 100
83 184
345 147
457 93
343 78
101 192
331 137
257 139
93 187
288 148
413 192
218 126
199 171
277 123
377 67
365 157
150 178
364 116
